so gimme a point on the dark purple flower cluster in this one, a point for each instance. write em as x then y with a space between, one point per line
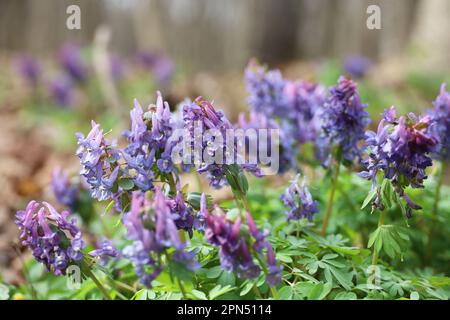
149 143
357 66
54 240
65 191
440 127
345 120
298 201
400 149
152 229
72 62
99 159
236 246
29 68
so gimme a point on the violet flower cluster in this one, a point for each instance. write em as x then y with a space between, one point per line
66 192
345 120
99 159
30 69
357 66
299 202
72 62
148 143
54 240
295 105
61 91
400 149
151 227
236 246
440 128
200 117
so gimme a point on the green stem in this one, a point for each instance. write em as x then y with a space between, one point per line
273 290
375 252
91 275
437 197
331 198
183 291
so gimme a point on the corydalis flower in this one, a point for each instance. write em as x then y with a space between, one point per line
400 149
151 227
54 240
440 127
266 89
306 101
161 66
345 119
29 68
234 251
64 190
99 160
104 251
72 62
286 149
357 66
149 142
298 200
200 119
61 91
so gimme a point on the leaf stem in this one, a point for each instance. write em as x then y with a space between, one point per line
183 291
437 197
331 198
91 275
375 251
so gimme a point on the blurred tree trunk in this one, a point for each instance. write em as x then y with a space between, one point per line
431 40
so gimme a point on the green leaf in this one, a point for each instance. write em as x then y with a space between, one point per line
4 292
214 272
285 293
369 198
218 290
126 184
246 289
199 295
345 296
109 206
414 295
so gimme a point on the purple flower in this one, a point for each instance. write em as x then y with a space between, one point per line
298 200
161 66
99 160
286 149
274 271
65 192
149 143
212 155
357 66
117 68
151 227
104 251
440 127
234 251
345 120
62 91
72 62
54 240
266 89
400 149
29 68
305 101
200 218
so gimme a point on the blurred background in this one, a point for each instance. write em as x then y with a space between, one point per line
53 81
